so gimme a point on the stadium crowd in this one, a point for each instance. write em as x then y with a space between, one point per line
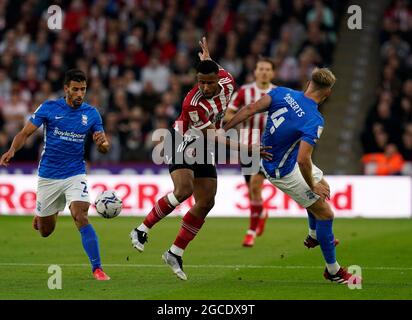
140 55
387 134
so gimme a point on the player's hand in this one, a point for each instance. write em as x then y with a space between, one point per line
322 191
6 157
100 140
263 151
204 55
265 154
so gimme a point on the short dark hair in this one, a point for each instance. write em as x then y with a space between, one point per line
74 75
268 60
207 66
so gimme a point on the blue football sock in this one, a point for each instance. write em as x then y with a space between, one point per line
311 220
325 237
91 245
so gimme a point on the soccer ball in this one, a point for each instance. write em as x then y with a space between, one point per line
108 204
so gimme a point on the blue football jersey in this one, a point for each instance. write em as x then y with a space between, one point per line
65 131
292 117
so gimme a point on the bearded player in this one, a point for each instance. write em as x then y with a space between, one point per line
62 169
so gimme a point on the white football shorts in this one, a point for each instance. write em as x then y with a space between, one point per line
54 194
295 185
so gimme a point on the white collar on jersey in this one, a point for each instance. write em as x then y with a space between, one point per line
221 89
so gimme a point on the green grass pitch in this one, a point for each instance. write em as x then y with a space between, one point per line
218 267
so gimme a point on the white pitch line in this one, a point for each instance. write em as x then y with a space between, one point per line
206 266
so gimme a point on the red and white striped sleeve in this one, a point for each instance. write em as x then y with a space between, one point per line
238 100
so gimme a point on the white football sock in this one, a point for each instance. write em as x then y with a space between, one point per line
176 250
333 268
143 228
312 233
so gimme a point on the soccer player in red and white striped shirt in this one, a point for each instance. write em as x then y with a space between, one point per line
203 111
250 133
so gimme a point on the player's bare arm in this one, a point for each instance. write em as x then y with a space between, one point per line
18 143
103 145
305 165
230 113
259 106
234 145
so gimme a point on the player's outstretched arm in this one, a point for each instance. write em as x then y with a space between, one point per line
103 145
220 138
230 113
259 106
18 143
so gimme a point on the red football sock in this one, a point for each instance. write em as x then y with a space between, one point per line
160 210
190 227
256 209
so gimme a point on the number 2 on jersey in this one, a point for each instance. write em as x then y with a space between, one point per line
276 120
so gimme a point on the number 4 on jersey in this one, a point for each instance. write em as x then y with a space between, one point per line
276 120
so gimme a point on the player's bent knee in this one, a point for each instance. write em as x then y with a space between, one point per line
256 193
322 210
206 206
183 193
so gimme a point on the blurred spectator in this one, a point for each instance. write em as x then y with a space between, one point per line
114 154
232 63
252 10
389 123
140 56
14 111
5 86
222 17
156 74
323 16
401 47
390 162
4 142
406 147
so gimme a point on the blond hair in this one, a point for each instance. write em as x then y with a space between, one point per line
323 78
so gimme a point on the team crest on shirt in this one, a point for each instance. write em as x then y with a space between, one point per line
194 116
84 119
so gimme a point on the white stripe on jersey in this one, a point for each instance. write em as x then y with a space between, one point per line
213 105
225 80
204 107
285 157
44 143
223 100
231 88
196 98
248 96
